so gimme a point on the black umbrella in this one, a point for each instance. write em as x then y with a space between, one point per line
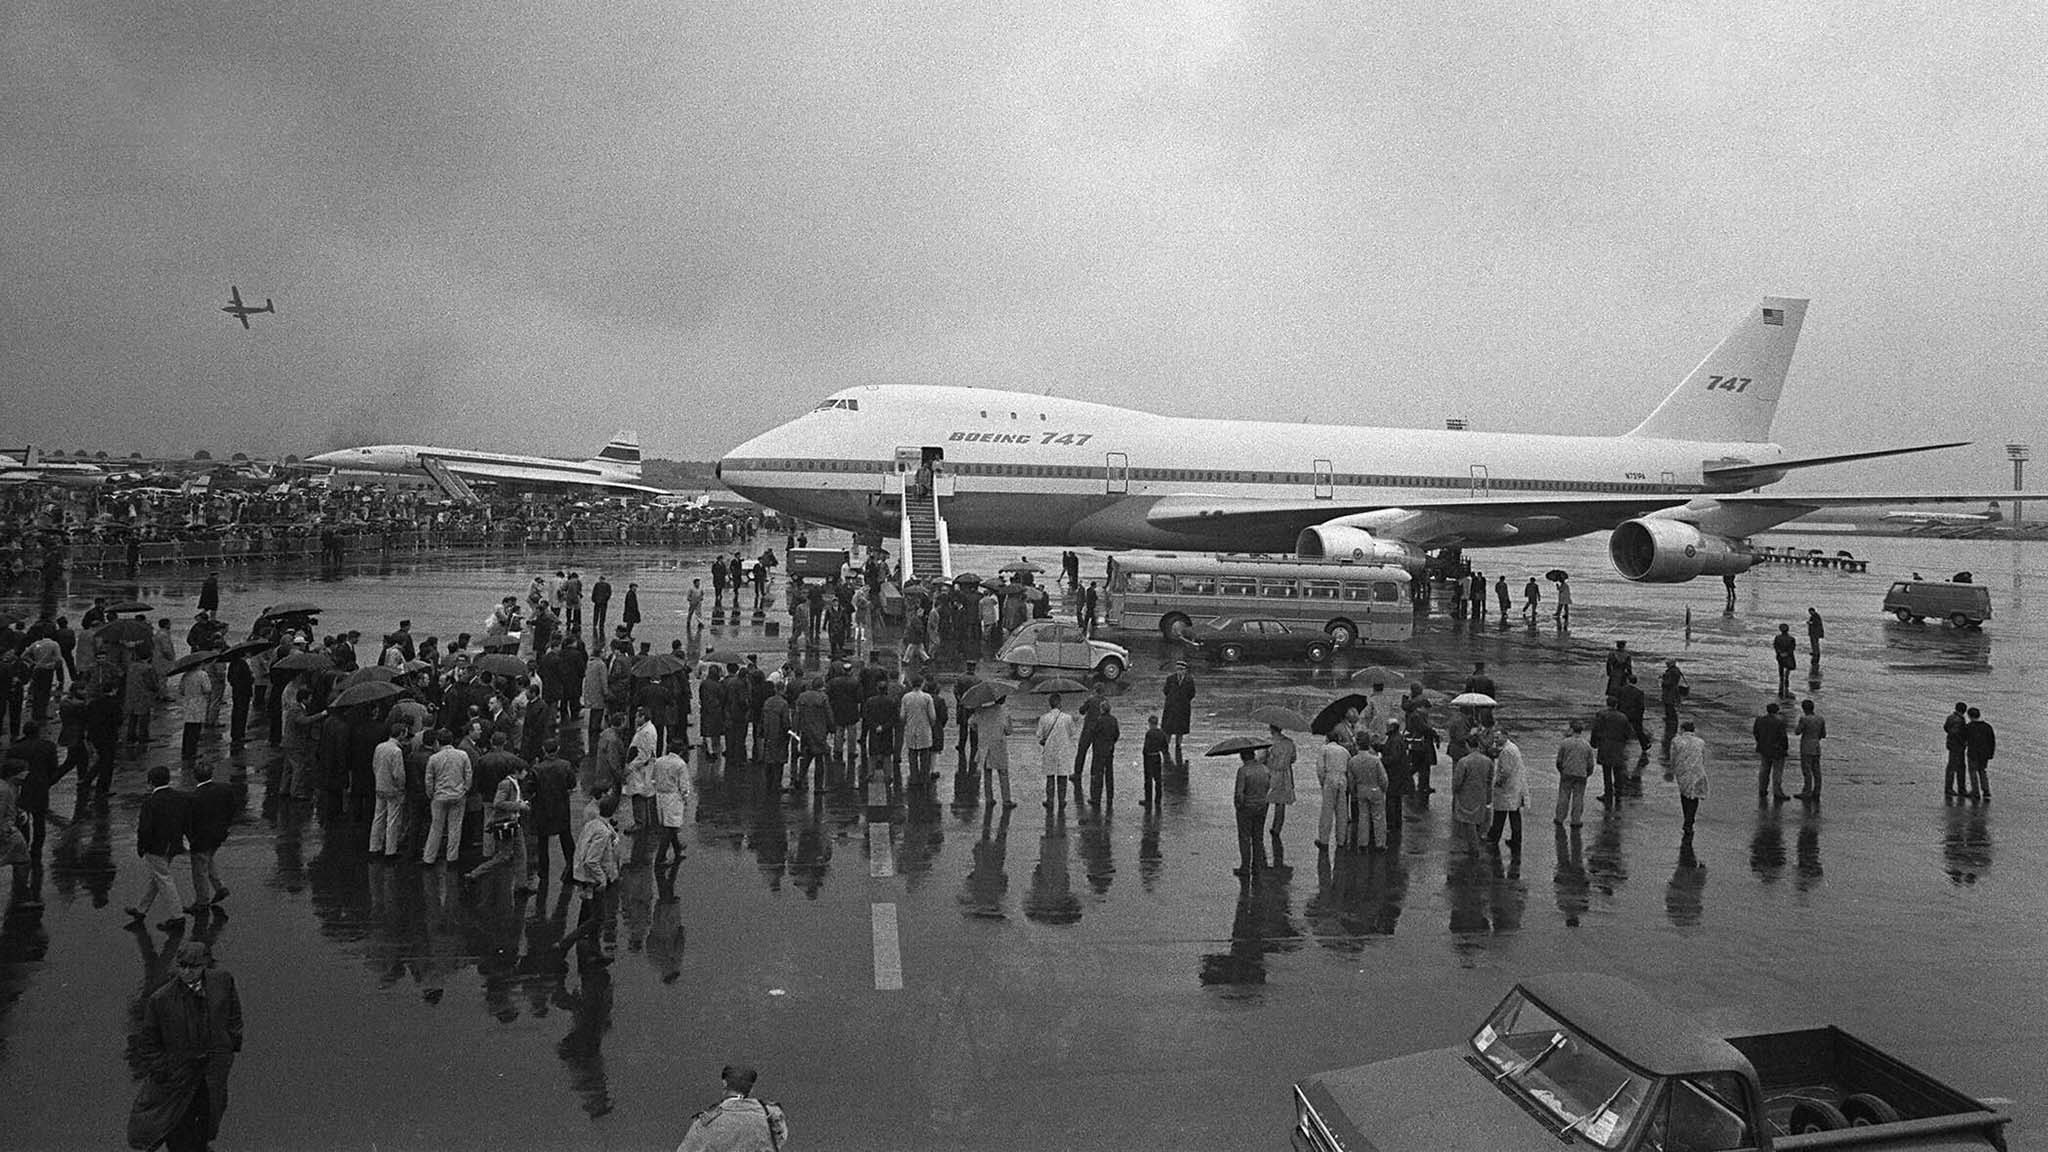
500 664
1057 685
293 608
1557 574
375 674
302 661
126 631
655 665
1232 745
193 660
983 694
364 694
967 578
246 648
1333 712
127 606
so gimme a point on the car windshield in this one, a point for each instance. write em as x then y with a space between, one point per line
1556 1067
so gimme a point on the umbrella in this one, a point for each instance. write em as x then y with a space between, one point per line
302 660
364 694
127 606
1473 700
983 694
967 578
1057 684
500 664
1021 566
1333 712
1556 574
1284 718
1374 674
412 666
127 631
376 674
657 665
1232 745
193 660
292 608
245 648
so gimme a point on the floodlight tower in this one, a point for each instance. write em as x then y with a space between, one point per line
2018 453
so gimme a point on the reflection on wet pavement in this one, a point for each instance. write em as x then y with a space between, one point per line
1106 953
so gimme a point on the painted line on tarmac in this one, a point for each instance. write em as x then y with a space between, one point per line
888 952
881 851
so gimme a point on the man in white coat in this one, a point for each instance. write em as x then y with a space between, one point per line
1332 763
1510 790
1057 736
1689 771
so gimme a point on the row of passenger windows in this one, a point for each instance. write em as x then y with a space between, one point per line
1268 589
1206 476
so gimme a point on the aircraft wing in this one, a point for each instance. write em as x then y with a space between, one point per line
1427 521
1807 501
526 474
1771 470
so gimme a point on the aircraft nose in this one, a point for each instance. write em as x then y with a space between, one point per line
327 458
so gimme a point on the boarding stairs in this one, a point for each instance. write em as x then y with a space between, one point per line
455 486
926 550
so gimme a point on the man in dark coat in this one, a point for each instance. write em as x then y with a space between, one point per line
1611 731
630 614
209 593
191 1029
36 750
160 836
208 814
1177 715
1773 743
1980 744
600 603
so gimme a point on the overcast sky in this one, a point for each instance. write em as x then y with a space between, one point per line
523 226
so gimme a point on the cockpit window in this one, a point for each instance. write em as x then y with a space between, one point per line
846 402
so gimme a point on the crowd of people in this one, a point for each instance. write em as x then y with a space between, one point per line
43 529
559 730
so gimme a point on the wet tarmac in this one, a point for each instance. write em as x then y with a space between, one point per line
934 974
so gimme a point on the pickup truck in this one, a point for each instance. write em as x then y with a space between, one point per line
1585 1059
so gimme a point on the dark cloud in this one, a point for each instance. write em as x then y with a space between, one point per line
529 225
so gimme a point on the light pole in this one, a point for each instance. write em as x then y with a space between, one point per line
2018 453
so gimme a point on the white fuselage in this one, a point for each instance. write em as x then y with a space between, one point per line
1044 470
404 459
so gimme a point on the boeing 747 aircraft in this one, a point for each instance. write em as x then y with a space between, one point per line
1026 469
615 468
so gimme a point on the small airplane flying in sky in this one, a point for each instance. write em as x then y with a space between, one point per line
241 311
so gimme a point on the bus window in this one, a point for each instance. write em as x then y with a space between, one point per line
1278 589
1194 586
1321 589
1358 591
1237 586
1386 591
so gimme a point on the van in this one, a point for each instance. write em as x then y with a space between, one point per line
1962 605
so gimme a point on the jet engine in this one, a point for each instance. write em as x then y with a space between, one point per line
1653 551
1344 542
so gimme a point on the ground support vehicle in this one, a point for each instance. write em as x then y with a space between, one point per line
1589 1060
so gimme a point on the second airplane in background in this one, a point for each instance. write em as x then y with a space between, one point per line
1022 469
616 468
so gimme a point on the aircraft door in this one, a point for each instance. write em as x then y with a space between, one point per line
904 474
1670 480
1326 487
1116 474
1480 484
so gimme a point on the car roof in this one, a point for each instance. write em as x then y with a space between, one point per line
1633 1025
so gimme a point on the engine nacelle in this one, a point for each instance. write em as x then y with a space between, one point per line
1652 551
1343 542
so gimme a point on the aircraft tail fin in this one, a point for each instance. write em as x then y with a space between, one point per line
1733 394
31 456
621 455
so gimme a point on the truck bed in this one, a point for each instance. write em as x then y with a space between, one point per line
1830 1066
